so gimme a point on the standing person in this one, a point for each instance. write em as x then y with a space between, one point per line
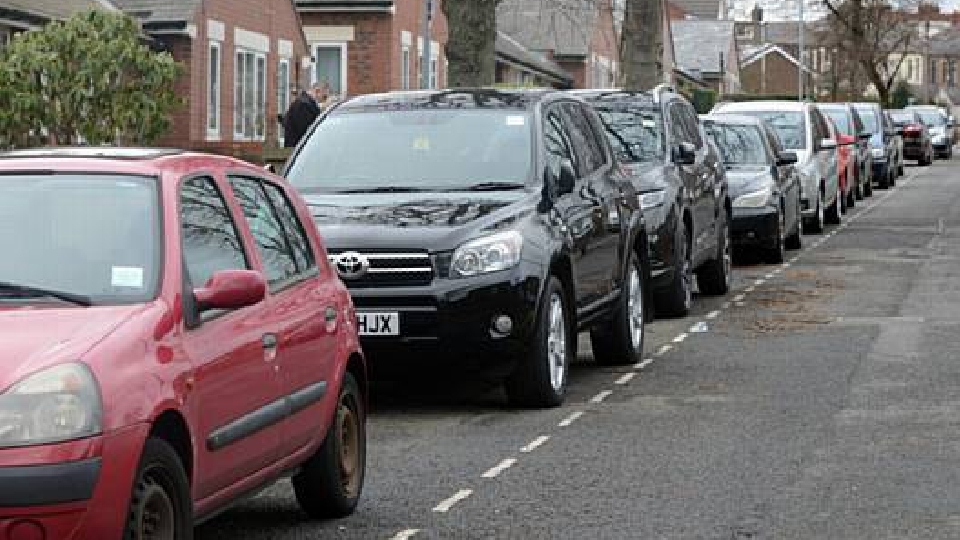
302 113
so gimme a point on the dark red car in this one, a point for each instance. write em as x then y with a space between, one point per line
172 339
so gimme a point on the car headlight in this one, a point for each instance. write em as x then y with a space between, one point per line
493 253
57 404
754 199
652 199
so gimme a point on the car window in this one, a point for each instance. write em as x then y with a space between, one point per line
868 115
773 138
791 126
296 234
635 133
279 262
840 118
857 122
821 130
585 143
739 144
557 141
691 124
678 129
209 238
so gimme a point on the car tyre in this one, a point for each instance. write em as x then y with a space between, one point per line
541 380
715 276
677 299
161 505
816 223
620 341
893 178
795 240
776 254
835 212
330 482
868 187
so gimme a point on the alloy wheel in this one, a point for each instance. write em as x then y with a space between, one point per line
635 308
557 343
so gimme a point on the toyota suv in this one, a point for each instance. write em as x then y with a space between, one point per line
481 228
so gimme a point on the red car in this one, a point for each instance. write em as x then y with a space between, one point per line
846 164
173 339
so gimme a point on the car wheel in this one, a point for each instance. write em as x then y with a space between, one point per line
714 277
620 341
775 255
677 299
835 212
541 379
858 188
795 240
900 169
160 507
330 482
893 178
868 187
816 223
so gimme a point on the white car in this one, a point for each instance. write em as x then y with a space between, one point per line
804 130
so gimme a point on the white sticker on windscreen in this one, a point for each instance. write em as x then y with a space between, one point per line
127 276
516 120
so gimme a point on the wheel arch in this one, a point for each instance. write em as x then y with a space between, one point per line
171 427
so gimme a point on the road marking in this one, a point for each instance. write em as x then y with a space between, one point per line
738 298
627 377
787 265
750 289
601 396
726 305
405 535
699 328
534 444
502 466
570 419
740 304
680 338
795 259
713 314
447 504
643 365
769 276
664 350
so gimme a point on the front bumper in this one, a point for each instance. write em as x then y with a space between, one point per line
755 227
661 241
942 145
452 319
914 151
77 490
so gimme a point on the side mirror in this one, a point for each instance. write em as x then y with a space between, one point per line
828 144
865 136
231 289
787 158
270 168
685 154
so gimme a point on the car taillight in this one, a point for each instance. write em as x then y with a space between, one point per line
912 130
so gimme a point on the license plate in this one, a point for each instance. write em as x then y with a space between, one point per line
378 324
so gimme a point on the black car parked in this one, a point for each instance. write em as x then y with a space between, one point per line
683 189
480 227
917 142
764 185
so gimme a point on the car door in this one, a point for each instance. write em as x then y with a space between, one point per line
235 383
689 174
826 157
302 309
601 195
788 181
703 199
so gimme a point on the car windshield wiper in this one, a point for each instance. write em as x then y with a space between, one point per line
381 189
37 292
492 186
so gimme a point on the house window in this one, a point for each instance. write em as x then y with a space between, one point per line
952 73
331 66
213 92
405 68
283 92
250 96
434 71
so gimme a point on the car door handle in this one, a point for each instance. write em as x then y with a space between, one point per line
270 342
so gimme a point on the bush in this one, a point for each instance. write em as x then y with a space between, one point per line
703 100
89 79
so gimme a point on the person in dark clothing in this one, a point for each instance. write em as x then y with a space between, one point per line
302 113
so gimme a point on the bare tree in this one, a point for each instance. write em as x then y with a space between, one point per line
876 35
641 44
471 44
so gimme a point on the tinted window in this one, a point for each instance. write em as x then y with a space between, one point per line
299 242
278 259
92 235
636 134
422 149
739 144
557 141
209 238
585 144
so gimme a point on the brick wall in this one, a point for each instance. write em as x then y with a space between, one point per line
781 76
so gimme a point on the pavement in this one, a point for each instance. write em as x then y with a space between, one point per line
818 400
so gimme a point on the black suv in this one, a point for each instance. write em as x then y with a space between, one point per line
683 187
480 227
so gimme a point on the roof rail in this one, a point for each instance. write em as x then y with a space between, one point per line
663 87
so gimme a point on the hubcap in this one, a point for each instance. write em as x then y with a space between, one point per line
557 343
635 308
686 273
350 458
727 253
156 515
820 209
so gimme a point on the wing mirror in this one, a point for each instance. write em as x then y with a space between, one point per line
865 136
231 289
787 158
566 180
828 144
685 154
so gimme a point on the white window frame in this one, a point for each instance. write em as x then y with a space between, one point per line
342 45
214 91
283 94
240 124
405 55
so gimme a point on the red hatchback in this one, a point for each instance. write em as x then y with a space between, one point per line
172 339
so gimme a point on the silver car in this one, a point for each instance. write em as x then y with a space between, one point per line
803 129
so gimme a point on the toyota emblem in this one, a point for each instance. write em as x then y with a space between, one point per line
352 265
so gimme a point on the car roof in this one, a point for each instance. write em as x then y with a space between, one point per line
117 160
461 98
764 106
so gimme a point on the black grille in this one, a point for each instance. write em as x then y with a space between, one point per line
387 269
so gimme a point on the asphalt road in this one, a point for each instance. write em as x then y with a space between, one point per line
819 400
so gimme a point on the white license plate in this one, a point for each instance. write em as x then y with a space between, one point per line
378 324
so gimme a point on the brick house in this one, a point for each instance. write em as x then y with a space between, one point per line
769 70
242 60
581 36
369 46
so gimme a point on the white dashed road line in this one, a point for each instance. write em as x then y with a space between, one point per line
664 350
738 298
534 444
643 365
570 419
626 378
713 314
680 338
494 472
601 396
405 534
447 504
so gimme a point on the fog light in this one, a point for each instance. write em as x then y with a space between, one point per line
503 325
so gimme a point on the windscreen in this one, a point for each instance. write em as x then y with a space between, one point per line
635 133
868 116
932 118
739 144
841 118
789 125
